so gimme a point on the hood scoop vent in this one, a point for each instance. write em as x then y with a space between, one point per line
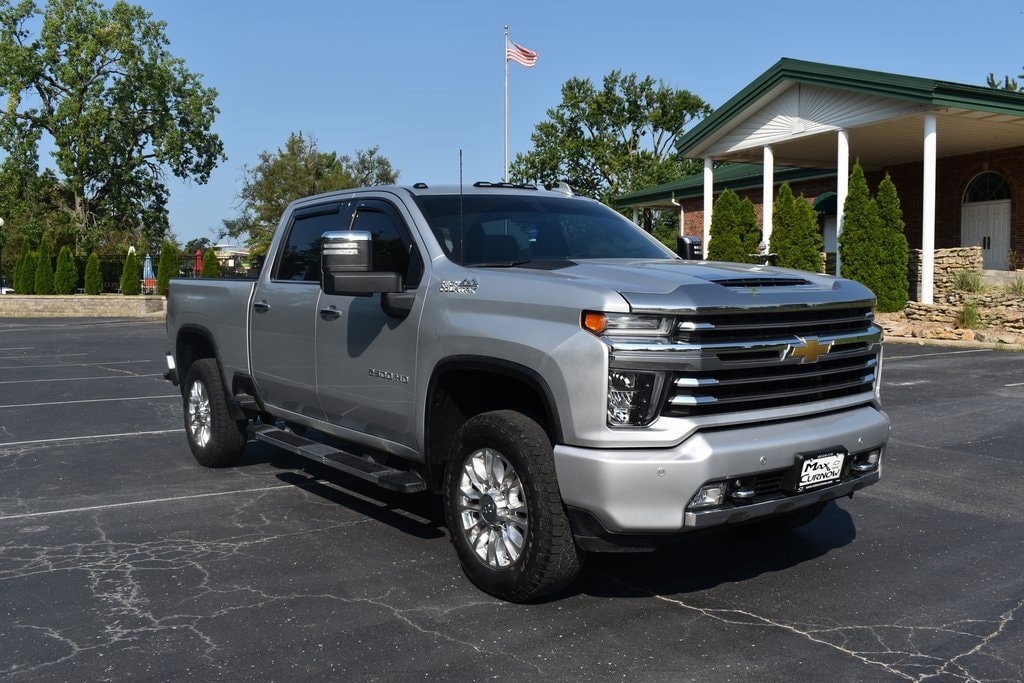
746 282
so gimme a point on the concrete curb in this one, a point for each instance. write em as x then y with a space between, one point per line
955 343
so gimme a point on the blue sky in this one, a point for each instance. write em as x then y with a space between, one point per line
425 79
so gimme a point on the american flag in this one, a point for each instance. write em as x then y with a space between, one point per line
520 55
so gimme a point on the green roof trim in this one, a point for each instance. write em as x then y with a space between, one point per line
923 91
732 176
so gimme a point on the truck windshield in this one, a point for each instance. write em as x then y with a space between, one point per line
507 230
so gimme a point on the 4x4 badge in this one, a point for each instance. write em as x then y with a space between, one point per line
809 350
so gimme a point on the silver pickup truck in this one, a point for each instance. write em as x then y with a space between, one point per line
566 382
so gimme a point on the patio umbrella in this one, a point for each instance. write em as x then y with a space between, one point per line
199 262
148 278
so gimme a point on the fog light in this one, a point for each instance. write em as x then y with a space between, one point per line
867 462
708 496
631 397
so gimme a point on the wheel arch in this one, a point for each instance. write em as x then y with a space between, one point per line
463 386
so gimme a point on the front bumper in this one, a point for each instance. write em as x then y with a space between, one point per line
646 491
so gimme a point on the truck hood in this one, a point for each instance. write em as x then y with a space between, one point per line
672 285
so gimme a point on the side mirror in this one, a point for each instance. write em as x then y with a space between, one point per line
346 266
689 248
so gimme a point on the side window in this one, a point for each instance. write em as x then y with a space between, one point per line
393 249
300 254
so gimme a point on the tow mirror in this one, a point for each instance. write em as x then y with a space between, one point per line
346 264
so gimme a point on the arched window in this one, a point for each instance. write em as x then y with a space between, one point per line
987 187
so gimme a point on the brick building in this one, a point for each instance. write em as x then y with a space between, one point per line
954 151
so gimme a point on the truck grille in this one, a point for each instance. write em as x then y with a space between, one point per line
755 360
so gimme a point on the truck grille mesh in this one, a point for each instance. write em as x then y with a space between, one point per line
753 360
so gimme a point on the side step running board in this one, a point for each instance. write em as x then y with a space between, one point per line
403 481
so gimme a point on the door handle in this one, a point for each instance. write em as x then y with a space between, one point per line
330 313
261 306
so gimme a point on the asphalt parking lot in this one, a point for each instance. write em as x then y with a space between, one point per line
121 558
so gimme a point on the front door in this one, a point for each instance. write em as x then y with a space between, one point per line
365 358
987 225
283 319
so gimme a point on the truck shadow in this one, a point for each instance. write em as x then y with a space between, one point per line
420 514
691 564
705 561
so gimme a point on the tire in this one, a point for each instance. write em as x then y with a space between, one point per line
215 438
504 511
790 521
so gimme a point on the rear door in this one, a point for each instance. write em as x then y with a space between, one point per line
282 338
366 359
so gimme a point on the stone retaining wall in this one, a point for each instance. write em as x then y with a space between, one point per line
81 306
947 263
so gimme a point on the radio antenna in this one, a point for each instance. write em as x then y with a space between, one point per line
462 231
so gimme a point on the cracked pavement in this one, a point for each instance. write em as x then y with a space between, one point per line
120 558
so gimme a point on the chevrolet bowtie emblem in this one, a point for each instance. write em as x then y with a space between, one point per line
809 350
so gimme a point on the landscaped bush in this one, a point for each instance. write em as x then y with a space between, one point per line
211 266
44 270
65 281
796 240
130 284
968 281
734 233
26 283
870 250
19 268
93 275
167 267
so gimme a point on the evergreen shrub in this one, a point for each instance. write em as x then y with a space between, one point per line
44 269
65 280
93 275
131 275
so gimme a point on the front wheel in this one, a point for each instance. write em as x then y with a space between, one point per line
215 438
504 511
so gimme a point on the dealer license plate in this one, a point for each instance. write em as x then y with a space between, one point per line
820 469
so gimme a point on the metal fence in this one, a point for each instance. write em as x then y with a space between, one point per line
111 268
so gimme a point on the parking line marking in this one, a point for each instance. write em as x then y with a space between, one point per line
89 437
49 355
890 359
1016 384
73 365
111 506
75 379
87 400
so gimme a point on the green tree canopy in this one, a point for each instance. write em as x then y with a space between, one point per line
298 170
796 240
119 110
1007 83
613 139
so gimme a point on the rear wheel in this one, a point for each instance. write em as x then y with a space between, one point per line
215 438
504 511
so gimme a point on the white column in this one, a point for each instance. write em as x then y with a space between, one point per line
709 199
636 215
928 211
768 196
842 187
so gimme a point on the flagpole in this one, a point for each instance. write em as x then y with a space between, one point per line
506 103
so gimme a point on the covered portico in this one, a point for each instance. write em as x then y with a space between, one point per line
808 115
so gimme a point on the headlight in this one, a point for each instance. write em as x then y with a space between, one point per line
633 397
626 324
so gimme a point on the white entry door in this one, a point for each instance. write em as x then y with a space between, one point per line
987 225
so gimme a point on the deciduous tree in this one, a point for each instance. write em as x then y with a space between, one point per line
613 139
298 170
120 111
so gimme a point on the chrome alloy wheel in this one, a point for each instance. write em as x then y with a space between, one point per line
199 420
493 508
